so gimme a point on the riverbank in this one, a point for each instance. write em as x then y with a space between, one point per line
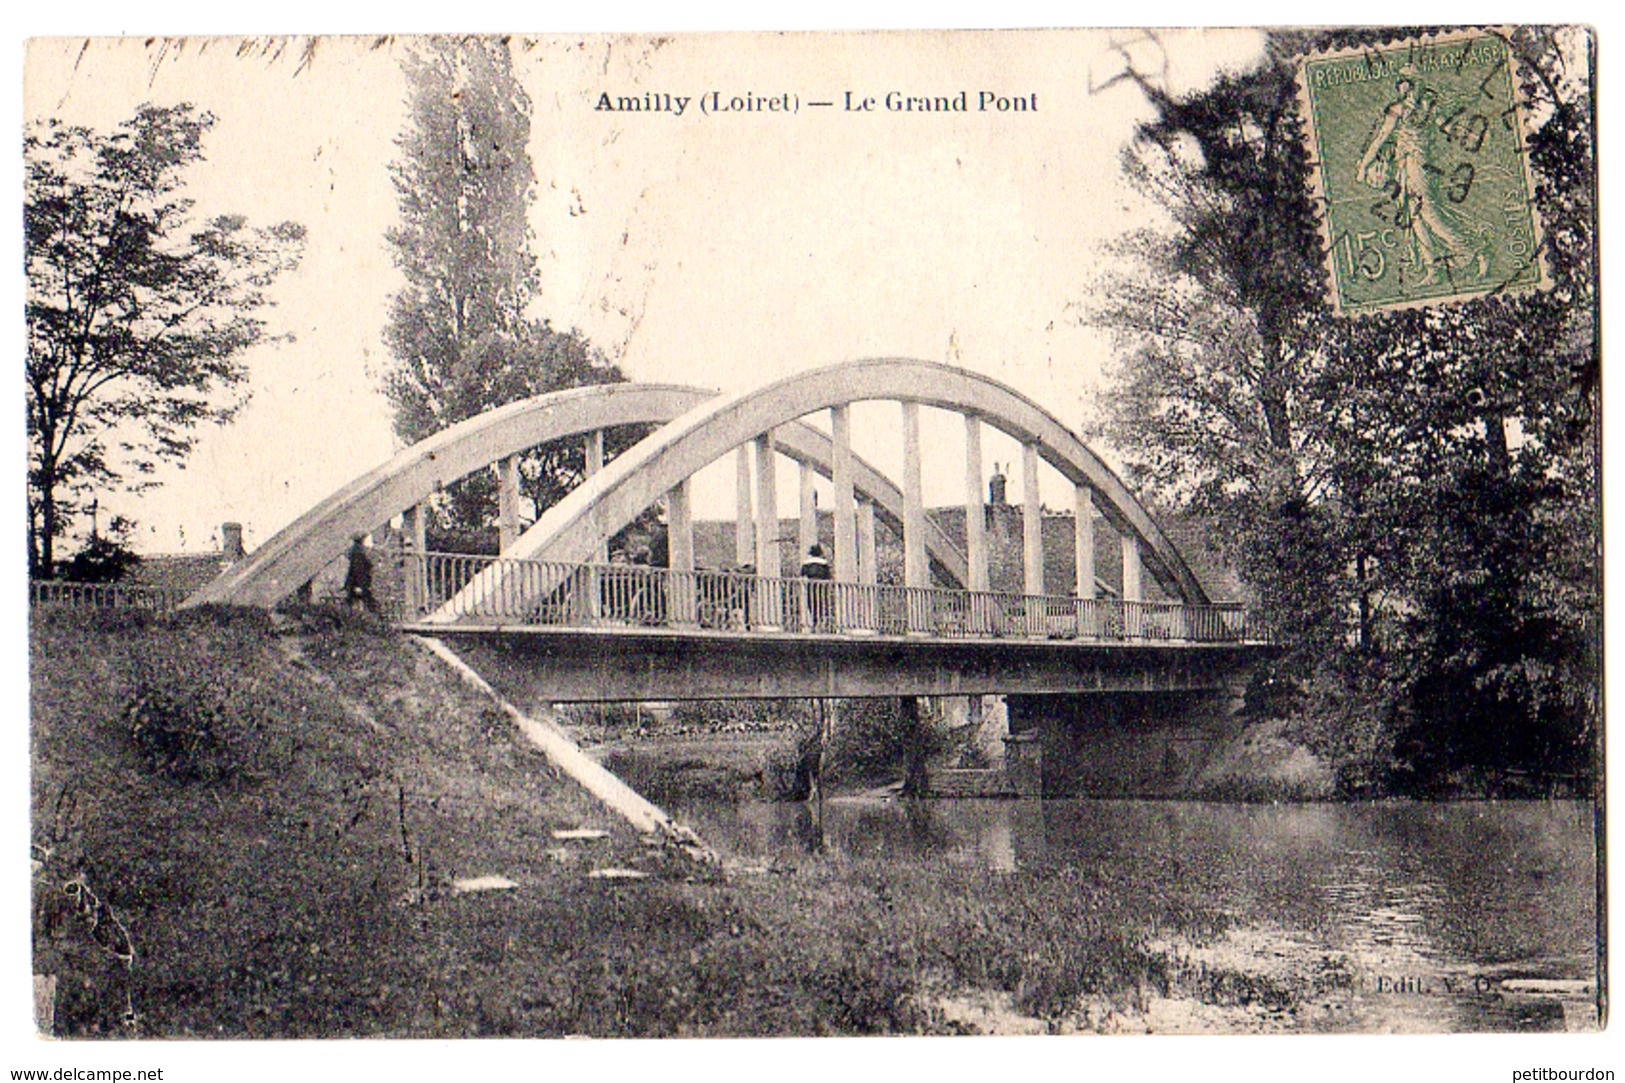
317 829
679 763
723 766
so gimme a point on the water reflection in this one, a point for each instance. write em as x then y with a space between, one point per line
1425 895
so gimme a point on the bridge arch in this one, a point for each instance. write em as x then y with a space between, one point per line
572 530
299 552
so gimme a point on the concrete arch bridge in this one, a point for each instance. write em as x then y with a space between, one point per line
587 629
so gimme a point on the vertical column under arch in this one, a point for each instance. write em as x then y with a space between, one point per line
768 564
1083 552
915 570
414 529
1032 523
840 432
868 568
975 513
806 538
590 592
507 502
1133 590
807 520
1083 525
867 609
744 522
680 554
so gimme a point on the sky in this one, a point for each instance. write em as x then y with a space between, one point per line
716 249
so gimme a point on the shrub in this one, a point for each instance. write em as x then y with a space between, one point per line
102 560
180 738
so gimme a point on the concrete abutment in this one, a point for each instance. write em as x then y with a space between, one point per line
1122 744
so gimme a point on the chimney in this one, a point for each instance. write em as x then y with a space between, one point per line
231 541
995 487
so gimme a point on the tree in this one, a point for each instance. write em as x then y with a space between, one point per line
459 329
137 320
499 368
1412 493
1223 332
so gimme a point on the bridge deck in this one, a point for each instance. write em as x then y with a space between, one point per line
608 632
617 664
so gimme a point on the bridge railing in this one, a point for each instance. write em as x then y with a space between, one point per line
56 592
483 588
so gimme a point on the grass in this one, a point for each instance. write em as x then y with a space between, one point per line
283 866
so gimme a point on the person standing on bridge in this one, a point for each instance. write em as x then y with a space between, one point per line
741 598
816 569
358 576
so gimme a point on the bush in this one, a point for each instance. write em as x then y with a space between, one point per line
180 738
207 734
196 701
102 560
871 741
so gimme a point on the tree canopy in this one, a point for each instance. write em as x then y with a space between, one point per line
138 317
460 329
1412 494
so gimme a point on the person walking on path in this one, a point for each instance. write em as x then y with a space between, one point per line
358 576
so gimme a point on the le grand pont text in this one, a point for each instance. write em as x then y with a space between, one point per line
714 102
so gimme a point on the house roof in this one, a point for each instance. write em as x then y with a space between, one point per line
176 571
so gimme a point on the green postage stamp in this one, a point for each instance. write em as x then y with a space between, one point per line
1420 172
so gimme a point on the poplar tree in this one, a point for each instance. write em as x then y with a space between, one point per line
460 329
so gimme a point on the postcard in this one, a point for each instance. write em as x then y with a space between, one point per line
1065 532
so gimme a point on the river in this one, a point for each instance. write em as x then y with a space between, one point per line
1444 916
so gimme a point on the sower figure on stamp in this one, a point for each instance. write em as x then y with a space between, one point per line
1398 159
358 576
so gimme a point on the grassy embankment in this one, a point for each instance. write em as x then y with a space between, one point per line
245 833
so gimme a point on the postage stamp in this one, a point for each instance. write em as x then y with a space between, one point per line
1420 170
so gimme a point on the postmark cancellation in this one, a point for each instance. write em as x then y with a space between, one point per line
1420 172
